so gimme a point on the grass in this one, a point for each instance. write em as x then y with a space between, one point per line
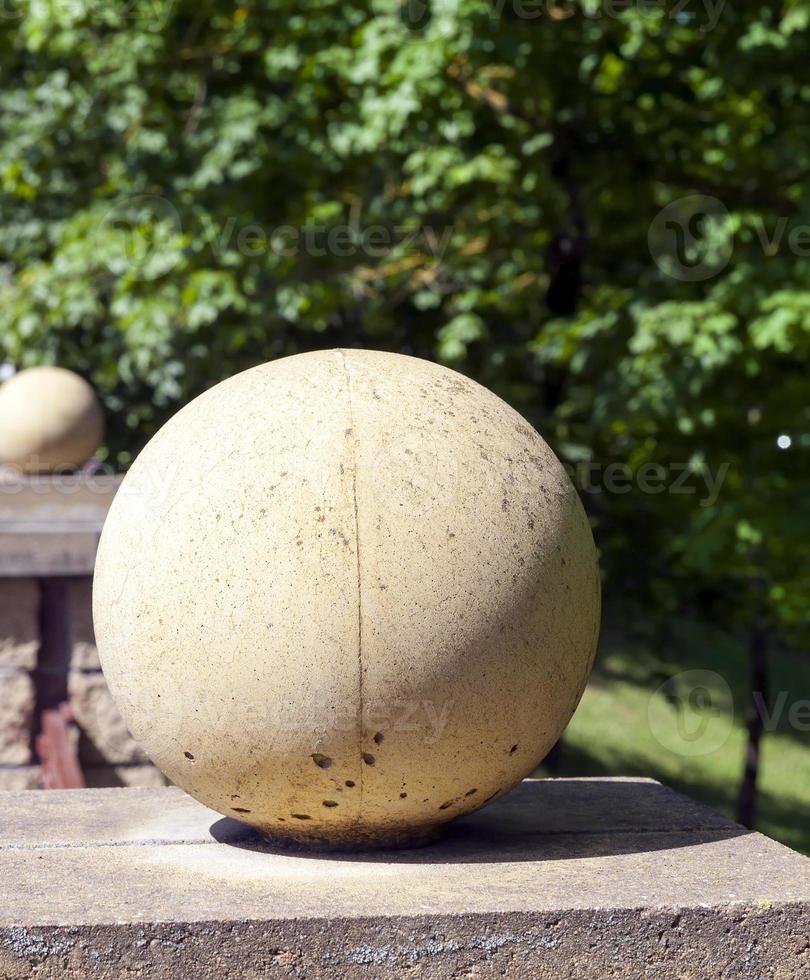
673 709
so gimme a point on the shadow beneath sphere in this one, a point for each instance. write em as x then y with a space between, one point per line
539 820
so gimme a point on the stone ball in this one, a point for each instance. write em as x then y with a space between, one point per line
50 421
346 597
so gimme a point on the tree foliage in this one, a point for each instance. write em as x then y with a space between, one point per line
188 189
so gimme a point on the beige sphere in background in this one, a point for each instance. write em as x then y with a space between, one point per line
346 597
50 421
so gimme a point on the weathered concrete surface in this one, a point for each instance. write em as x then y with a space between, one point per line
559 879
131 774
50 525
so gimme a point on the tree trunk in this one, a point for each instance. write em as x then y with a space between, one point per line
758 666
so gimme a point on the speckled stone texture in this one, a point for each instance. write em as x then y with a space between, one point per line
558 880
347 597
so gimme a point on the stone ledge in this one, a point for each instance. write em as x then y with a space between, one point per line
50 525
561 878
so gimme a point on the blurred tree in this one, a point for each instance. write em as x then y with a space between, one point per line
190 188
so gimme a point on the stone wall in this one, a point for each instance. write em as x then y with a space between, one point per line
107 753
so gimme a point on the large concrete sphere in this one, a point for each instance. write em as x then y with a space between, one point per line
50 421
346 597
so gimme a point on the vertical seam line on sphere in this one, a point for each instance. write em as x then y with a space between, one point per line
359 592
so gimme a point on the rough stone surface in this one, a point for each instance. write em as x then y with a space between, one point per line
108 753
586 879
16 716
137 776
105 738
347 596
96 776
50 421
20 777
19 607
84 650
